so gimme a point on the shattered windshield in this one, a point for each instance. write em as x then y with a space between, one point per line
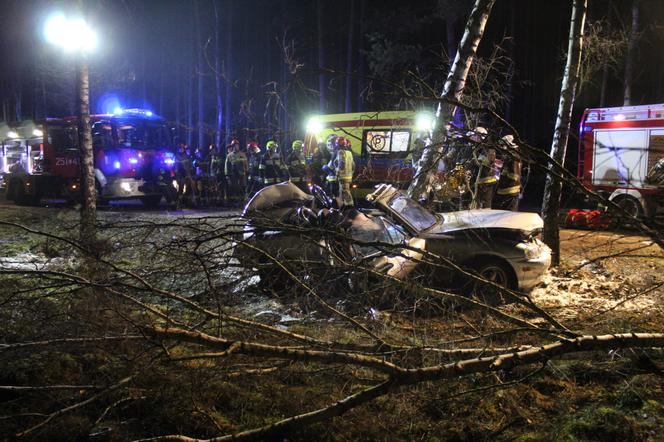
374 230
412 212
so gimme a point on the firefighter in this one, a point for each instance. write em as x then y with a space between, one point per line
331 183
216 175
236 174
272 167
184 171
486 179
254 182
201 164
345 166
319 160
509 184
297 165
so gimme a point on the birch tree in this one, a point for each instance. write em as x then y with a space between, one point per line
631 54
452 91
553 185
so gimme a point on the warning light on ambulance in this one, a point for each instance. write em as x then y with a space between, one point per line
314 126
425 122
37 133
619 117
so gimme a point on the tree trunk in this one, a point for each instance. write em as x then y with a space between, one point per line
217 79
89 204
631 53
456 80
228 69
553 185
349 59
321 57
360 59
200 98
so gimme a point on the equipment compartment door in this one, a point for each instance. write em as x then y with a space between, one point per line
620 157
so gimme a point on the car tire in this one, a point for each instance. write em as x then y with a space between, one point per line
496 271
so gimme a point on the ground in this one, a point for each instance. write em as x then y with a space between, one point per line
608 283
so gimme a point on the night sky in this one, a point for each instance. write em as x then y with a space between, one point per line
149 57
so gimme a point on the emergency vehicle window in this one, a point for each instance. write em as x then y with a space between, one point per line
393 143
63 138
102 135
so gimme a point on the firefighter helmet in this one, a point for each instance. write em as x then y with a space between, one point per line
509 141
271 145
342 143
297 144
252 146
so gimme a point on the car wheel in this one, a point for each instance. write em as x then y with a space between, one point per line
495 271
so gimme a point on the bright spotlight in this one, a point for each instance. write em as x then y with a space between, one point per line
148 113
12 134
71 34
424 122
118 111
37 133
314 126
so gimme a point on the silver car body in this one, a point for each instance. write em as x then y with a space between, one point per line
468 236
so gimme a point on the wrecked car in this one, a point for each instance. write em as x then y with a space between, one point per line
289 230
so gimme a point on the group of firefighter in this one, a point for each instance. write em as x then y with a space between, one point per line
478 172
206 177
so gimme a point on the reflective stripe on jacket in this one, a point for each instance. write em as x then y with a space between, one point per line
346 165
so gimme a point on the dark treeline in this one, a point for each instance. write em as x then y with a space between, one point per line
256 68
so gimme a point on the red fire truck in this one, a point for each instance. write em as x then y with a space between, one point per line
131 148
621 155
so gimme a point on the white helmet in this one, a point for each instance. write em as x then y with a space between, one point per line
509 141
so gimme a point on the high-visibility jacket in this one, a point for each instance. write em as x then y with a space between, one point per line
487 174
510 178
272 168
297 166
236 164
345 165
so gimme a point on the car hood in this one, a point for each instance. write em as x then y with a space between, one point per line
487 219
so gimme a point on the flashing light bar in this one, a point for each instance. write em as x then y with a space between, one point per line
134 112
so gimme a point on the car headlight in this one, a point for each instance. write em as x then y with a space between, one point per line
531 250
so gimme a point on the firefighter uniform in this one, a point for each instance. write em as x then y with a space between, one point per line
254 181
319 160
486 180
509 184
297 164
216 176
184 172
345 169
272 167
236 175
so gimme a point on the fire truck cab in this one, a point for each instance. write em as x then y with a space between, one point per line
131 150
621 155
382 144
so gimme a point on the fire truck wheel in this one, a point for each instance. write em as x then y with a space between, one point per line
151 200
630 205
